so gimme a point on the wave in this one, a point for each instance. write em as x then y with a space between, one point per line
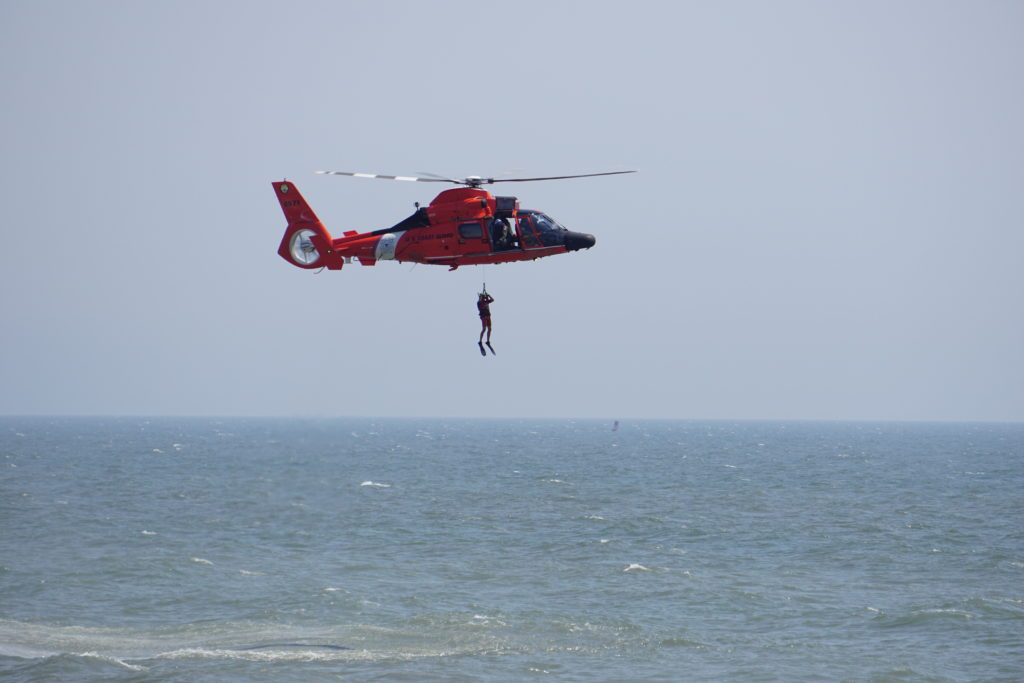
988 609
135 649
281 652
921 617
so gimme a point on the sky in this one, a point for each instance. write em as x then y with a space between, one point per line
826 223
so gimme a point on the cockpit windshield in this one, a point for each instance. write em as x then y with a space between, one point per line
538 229
548 232
546 223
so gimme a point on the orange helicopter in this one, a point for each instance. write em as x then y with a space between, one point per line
462 226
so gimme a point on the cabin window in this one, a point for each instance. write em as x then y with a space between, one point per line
471 231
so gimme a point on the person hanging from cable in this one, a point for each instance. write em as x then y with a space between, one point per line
483 307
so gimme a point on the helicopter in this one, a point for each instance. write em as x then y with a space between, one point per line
462 226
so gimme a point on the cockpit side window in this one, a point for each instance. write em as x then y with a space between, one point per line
526 235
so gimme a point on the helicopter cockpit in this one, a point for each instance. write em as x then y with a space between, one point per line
538 229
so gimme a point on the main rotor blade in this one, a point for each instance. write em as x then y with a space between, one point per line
556 177
470 181
438 177
389 177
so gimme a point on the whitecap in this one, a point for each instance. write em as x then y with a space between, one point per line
146 532
114 660
200 560
275 653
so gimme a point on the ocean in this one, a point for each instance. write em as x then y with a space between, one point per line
169 549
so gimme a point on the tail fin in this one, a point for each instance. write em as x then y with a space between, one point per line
306 242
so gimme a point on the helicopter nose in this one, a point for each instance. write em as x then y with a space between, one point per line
575 241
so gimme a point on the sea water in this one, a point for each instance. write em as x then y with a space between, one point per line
463 550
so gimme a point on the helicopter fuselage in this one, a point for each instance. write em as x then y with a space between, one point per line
461 226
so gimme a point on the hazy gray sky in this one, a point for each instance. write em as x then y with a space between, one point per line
827 222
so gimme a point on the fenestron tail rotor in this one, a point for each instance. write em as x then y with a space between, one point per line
302 249
468 181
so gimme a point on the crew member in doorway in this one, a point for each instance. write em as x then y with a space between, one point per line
483 306
501 235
